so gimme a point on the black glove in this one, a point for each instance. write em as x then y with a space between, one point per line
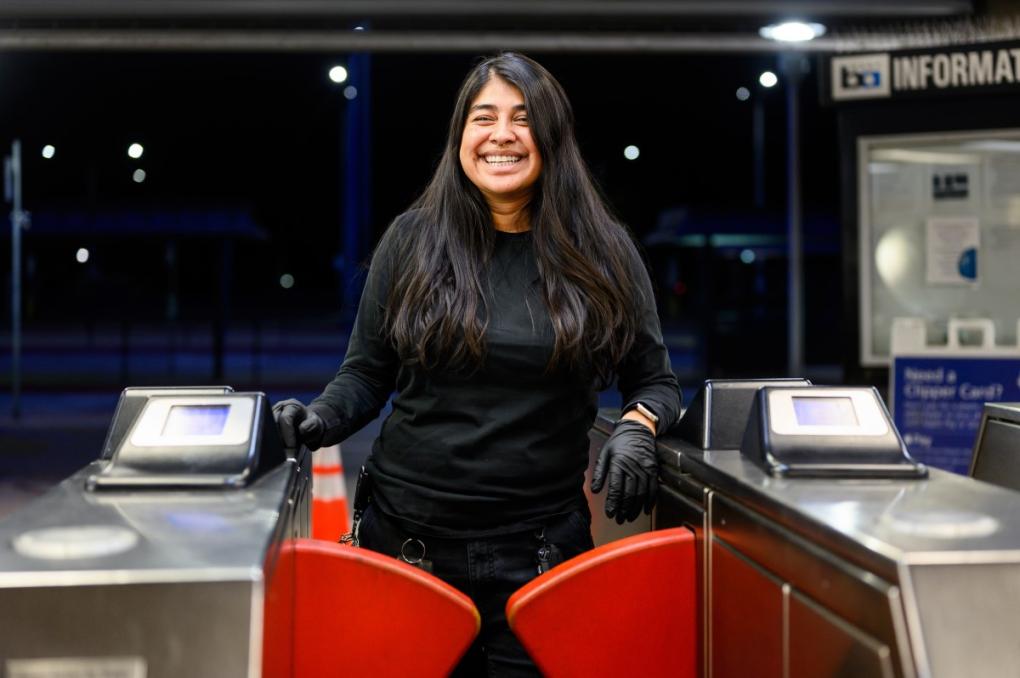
299 424
628 459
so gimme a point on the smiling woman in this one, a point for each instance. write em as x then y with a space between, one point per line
497 307
498 154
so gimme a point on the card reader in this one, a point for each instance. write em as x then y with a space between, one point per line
826 431
188 438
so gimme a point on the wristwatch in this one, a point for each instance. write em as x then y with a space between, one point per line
643 409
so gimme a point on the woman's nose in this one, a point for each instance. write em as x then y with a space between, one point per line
502 133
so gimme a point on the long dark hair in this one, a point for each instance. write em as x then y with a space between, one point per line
436 309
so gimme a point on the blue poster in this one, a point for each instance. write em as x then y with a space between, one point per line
937 403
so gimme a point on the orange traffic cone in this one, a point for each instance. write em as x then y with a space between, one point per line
329 495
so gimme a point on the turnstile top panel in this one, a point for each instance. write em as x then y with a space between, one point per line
71 536
943 519
880 523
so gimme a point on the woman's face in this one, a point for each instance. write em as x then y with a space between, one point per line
497 151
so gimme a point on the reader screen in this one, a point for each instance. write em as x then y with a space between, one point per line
825 411
196 420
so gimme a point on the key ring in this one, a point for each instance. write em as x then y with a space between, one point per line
417 559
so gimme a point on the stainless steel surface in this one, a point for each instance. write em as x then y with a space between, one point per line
856 596
180 629
688 508
878 524
183 536
968 617
822 644
170 581
747 634
996 457
910 577
1007 411
77 667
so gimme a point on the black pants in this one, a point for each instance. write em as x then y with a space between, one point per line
488 570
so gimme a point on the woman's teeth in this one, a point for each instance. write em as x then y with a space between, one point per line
502 160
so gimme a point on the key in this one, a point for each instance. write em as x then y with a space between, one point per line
549 556
543 559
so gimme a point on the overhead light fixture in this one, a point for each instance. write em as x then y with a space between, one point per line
792 31
338 74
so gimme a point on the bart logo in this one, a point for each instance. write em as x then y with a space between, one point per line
863 76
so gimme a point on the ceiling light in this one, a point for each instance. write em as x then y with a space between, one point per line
792 31
338 74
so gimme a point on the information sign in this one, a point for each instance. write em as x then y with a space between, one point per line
937 403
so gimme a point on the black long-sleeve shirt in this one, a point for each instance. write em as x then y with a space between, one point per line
503 447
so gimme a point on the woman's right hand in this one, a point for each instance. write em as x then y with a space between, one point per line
298 424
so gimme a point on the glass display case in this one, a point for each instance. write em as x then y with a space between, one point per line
939 233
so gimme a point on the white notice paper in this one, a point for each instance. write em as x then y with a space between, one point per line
952 248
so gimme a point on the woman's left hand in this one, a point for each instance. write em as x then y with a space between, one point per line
627 461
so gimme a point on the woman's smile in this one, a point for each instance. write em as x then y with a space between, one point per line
501 160
497 151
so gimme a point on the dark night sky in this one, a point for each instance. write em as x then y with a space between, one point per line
262 131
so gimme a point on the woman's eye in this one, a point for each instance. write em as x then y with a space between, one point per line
521 121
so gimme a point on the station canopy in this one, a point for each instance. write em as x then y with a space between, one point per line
598 26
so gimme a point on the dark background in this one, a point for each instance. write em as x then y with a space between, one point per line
262 135
248 157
